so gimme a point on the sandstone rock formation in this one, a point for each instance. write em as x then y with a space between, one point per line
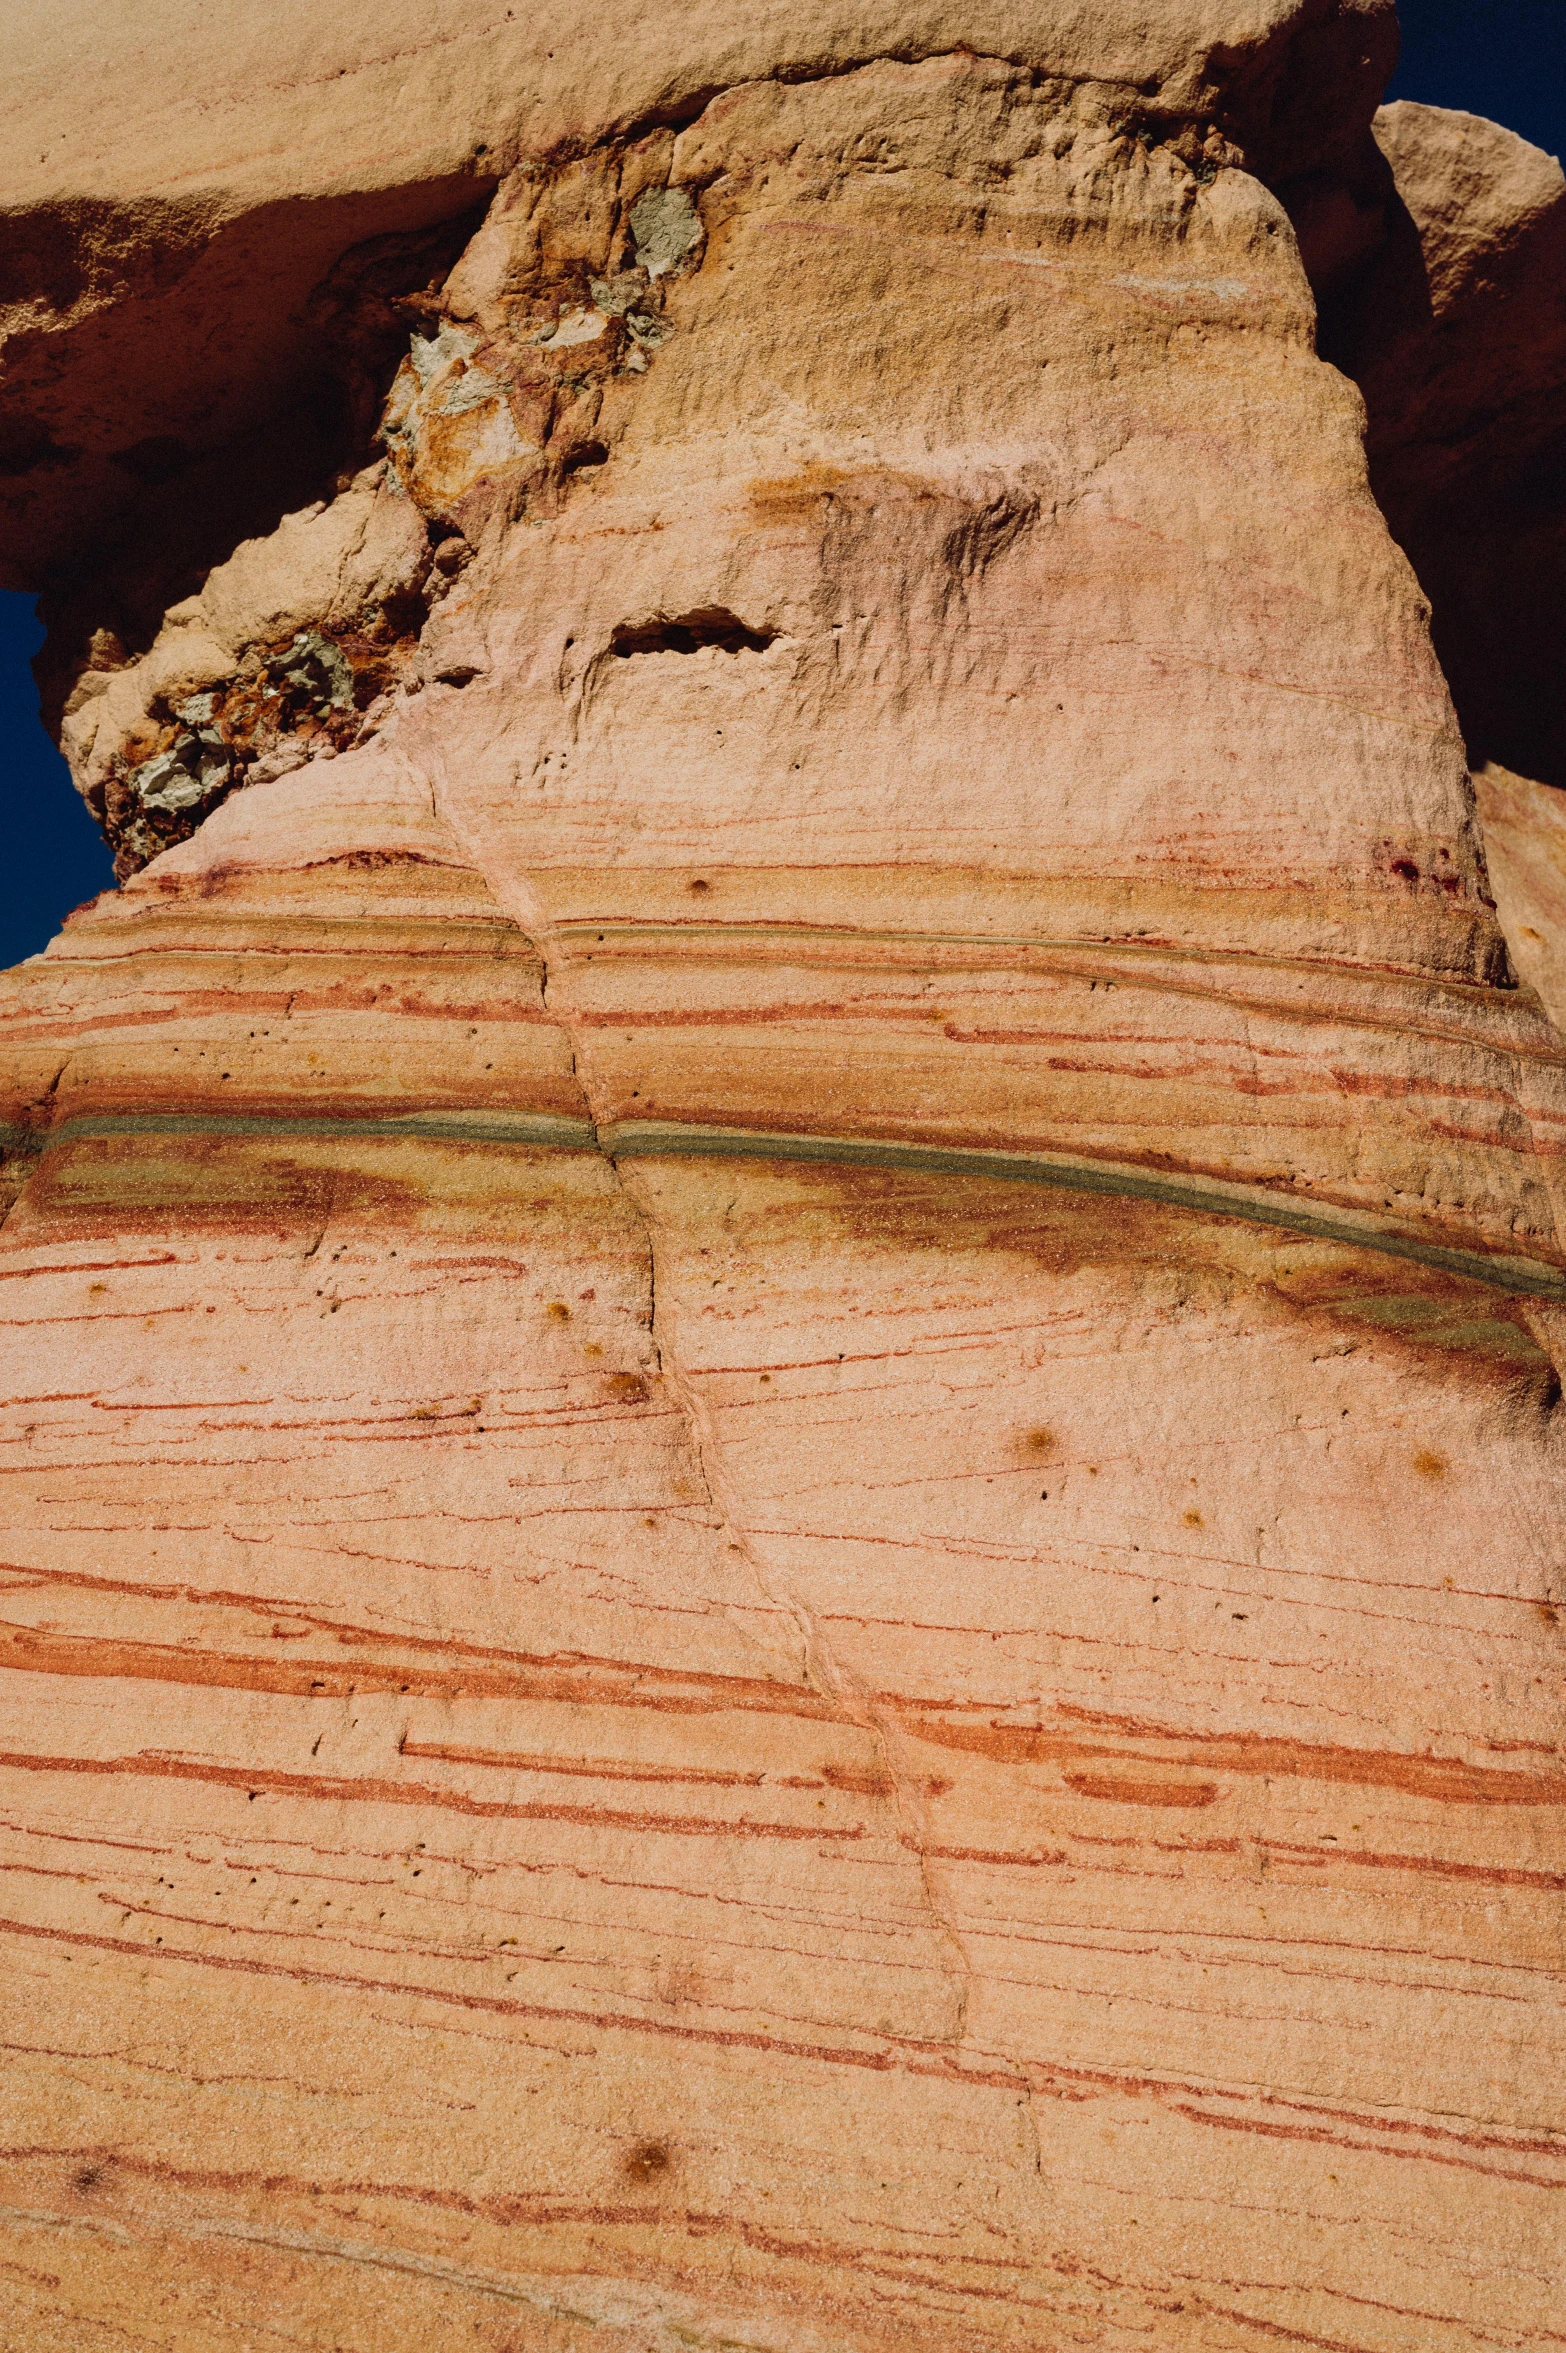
1457 335
1525 851
784 1466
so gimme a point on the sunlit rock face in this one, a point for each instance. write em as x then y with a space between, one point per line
784 1462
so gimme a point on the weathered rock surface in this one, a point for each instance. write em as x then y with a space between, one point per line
1525 852
195 290
783 1459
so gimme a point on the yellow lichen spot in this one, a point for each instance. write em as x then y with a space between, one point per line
1193 1519
558 1312
92 1287
1431 1465
1040 1440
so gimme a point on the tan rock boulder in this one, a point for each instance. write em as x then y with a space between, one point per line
783 1296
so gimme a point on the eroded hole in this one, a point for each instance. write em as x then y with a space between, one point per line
687 634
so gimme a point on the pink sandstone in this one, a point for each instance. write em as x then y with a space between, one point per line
782 1296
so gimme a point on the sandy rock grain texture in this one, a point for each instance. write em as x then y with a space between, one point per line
782 1556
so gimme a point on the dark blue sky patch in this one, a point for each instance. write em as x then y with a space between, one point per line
54 854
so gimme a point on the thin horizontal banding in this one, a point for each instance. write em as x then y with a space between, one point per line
673 1140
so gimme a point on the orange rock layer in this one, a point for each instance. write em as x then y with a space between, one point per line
782 1454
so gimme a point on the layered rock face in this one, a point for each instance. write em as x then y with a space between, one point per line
784 1460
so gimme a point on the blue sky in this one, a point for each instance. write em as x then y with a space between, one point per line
1502 58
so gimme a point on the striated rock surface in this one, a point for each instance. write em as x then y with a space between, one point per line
784 1472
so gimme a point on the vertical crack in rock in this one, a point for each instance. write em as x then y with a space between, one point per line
818 1667
1034 2139
537 929
821 1668
704 1443
911 1804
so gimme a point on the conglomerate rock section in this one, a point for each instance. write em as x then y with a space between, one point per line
782 1296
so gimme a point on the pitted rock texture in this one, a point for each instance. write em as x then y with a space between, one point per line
267 234
286 654
783 1437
